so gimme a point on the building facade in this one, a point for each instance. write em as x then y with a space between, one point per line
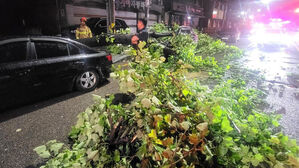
219 15
184 12
127 10
49 16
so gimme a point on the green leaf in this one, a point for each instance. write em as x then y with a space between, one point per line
116 157
246 159
279 165
141 151
284 140
91 154
56 147
42 151
244 150
222 149
228 141
225 125
259 157
99 129
251 118
153 134
167 118
275 140
275 123
255 150
185 92
156 101
255 162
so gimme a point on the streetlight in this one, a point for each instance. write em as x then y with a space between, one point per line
189 17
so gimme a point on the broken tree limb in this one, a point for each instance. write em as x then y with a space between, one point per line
124 39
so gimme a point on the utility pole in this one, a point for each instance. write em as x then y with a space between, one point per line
147 8
110 7
58 16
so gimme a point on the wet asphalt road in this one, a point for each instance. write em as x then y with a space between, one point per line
41 122
279 64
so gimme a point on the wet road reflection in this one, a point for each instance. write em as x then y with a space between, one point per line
278 59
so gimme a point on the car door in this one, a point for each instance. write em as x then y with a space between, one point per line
15 73
53 67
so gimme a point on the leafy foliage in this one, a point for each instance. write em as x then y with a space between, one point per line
175 121
117 48
159 28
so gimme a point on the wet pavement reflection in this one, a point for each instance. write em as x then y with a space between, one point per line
278 61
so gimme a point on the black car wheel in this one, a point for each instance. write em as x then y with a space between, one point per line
87 81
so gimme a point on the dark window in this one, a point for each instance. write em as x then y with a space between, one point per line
117 23
123 23
13 52
73 50
102 23
50 49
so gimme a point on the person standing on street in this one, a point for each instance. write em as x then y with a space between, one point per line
83 31
142 32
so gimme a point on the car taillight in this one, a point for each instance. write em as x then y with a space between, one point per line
109 57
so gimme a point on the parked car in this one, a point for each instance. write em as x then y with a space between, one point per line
44 65
96 25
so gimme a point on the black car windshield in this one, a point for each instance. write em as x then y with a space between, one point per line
185 31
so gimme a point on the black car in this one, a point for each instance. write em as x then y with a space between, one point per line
96 25
39 66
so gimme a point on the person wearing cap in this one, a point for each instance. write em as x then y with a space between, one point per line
83 31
